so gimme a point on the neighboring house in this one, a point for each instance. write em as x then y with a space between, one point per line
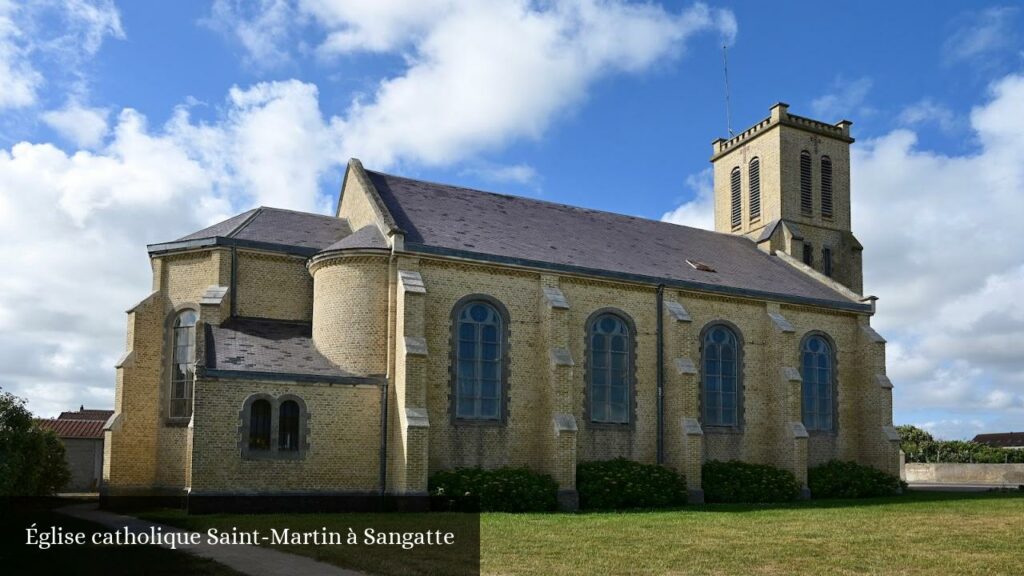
82 435
1002 440
428 326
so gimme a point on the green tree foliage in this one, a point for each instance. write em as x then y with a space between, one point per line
31 459
920 446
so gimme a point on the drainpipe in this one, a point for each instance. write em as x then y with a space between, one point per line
233 310
384 438
661 373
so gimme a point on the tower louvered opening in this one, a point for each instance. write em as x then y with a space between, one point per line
806 203
826 187
736 213
755 189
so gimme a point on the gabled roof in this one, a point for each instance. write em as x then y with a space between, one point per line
275 229
67 428
462 222
1001 440
86 414
253 348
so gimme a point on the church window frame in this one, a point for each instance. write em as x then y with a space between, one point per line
471 374
181 363
600 369
819 384
264 439
713 409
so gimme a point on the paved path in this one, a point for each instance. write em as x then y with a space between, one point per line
252 560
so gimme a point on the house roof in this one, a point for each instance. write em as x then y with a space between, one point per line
1003 439
451 220
69 428
271 349
300 233
87 414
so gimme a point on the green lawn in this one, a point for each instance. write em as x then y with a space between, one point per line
919 533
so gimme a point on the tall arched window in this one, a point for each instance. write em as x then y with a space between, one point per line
818 382
721 376
736 213
754 171
479 357
826 187
288 426
259 425
806 200
609 369
183 363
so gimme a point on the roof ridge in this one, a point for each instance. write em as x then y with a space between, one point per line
551 203
303 212
256 212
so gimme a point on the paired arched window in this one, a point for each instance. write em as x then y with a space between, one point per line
609 368
479 360
736 212
720 375
259 425
818 383
274 427
826 187
754 172
183 363
806 199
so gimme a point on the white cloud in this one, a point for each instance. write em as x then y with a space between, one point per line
481 74
28 35
262 28
982 33
927 111
83 126
846 98
522 174
73 226
699 212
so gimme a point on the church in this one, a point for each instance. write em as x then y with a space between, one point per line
428 326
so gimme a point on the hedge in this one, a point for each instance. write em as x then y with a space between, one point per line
736 481
622 483
838 479
498 490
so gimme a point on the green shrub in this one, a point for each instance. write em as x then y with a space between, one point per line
31 459
838 479
736 481
621 483
499 490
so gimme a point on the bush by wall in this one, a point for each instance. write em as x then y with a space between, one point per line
736 481
499 490
920 446
838 479
622 483
31 459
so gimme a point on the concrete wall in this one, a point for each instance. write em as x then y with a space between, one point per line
85 460
995 474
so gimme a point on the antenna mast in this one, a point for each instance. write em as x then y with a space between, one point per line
728 106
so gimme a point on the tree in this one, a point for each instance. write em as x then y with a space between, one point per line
31 459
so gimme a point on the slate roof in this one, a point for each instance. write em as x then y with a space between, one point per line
452 220
87 414
274 227
368 236
68 428
1001 440
255 348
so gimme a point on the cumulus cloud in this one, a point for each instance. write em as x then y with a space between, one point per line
941 249
982 33
845 98
73 226
83 126
522 174
699 211
927 111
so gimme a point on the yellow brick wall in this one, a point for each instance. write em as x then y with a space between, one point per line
274 286
350 308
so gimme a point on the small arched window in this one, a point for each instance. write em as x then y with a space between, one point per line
826 187
183 363
806 200
288 426
479 355
259 425
754 171
721 376
609 368
816 372
736 212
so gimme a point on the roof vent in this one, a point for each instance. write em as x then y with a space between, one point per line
698 265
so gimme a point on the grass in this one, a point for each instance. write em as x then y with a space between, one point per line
921 533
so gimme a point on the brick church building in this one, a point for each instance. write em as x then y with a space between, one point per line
427 326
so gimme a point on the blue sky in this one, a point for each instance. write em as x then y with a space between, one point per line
133 122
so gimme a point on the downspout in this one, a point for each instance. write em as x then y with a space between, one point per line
661 374
393 273
234 282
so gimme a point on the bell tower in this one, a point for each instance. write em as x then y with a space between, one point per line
785 184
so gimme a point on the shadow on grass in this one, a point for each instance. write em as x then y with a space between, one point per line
911 497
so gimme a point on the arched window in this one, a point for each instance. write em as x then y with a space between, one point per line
721 376
817 374
259 425
479 356
806 201
288 426
183 363
754 171
609 368
826 187
736 213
